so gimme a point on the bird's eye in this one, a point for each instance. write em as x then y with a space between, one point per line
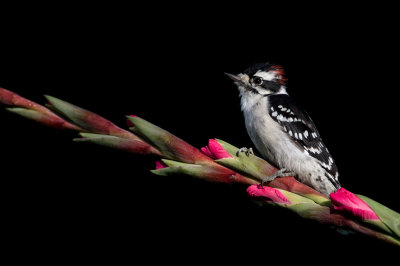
257 81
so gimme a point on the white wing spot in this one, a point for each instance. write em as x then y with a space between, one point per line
306 134
284 109
282 118
314 150
295 135
290 119
280 106
329 167
290 133
274 113
300 136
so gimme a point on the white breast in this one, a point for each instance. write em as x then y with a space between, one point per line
274 144
266 134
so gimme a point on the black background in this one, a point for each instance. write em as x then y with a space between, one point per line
68 199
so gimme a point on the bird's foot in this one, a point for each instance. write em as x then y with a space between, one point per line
280 173
246 151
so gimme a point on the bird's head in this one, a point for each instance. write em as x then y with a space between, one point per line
261 79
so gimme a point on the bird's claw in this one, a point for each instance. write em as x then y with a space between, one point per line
280 173
246 151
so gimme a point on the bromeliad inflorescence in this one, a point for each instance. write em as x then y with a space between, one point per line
219 161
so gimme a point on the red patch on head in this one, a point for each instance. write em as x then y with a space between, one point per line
280 72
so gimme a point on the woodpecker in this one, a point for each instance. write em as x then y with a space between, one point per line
282 131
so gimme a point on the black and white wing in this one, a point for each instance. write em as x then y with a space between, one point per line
298 124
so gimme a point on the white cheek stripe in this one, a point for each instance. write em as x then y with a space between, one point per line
266 75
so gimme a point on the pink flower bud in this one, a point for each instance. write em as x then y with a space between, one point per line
31 110
12 99
267 194
129 122
346 201
215 150
160 165
207 152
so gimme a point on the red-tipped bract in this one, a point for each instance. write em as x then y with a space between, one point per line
267 194
344 200
215 150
